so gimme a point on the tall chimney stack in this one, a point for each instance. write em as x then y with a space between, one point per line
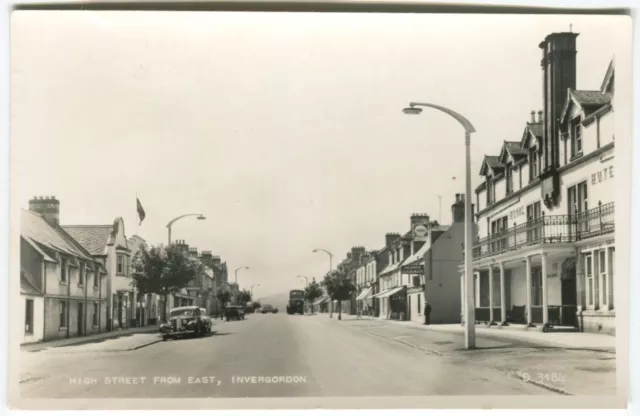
533 116
48 207
390 238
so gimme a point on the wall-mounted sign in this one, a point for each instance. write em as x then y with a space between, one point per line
516 212
415 269
420 230
602 175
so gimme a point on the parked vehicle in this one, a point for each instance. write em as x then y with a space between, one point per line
266 309
234 312
275 310
296 302
207 319
187 320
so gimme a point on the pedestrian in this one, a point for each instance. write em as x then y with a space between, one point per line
427 313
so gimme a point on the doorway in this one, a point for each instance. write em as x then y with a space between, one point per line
569 293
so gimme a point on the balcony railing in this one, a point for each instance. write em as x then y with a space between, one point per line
548 229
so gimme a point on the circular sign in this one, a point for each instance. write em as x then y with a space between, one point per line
420 230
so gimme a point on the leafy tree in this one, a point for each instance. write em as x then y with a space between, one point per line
339 287
244 297
162 270
224 296
256 305
312 292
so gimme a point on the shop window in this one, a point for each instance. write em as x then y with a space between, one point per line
94 319
588 267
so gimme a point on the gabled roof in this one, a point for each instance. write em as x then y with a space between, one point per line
608 77
34 227
513 149
490 162
532 130
95 238
588 100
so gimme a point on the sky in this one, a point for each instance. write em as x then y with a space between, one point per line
284 130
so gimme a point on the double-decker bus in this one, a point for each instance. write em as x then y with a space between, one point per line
296 302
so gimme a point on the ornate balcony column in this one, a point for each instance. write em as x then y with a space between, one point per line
545 297
491 320
503 297
528 289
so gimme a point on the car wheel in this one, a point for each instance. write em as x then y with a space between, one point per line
164 338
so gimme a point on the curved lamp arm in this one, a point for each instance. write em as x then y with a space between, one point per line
323 250
460 118
200 216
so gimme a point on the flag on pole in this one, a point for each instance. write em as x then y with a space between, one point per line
141 213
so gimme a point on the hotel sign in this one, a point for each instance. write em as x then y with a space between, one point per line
516 212
414 269
602 175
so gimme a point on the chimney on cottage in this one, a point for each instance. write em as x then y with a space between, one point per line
48 207
357 252
457 209
539 116
206 258
533 116
418 219
181 245
193 251
215 259
390 238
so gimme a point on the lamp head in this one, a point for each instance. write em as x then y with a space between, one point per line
202 217
412 110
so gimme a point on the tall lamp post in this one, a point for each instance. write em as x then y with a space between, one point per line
237 289
305 278
251 290
469 322
200 217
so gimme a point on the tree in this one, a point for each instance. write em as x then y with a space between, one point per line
256 305
162 271
312 292
339 287
224 296
244 296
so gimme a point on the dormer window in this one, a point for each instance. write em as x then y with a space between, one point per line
509 177
490 190
534 164
576 138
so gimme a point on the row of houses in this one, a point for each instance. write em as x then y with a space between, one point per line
544 223
76 280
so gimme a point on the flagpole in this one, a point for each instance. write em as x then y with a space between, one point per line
137 222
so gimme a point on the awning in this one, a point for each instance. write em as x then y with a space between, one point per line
364 293
389 292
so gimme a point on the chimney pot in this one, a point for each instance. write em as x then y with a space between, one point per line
533 116
540 116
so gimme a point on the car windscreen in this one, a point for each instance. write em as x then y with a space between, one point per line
183 312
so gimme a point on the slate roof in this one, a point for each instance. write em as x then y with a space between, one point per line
514 149
591 98
34 227
535 129
27 284
493 161
93 238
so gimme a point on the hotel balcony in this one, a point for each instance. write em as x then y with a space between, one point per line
548 229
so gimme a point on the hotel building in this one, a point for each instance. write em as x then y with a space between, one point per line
545 251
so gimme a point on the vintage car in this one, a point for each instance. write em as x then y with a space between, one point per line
267 309
207 319
234 312
187 320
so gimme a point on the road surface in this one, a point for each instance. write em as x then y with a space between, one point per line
273 355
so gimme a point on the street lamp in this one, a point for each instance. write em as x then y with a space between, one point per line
251 290
237 289
469 321
305 278
200 217
330 256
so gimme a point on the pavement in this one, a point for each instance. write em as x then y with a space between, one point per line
309 356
